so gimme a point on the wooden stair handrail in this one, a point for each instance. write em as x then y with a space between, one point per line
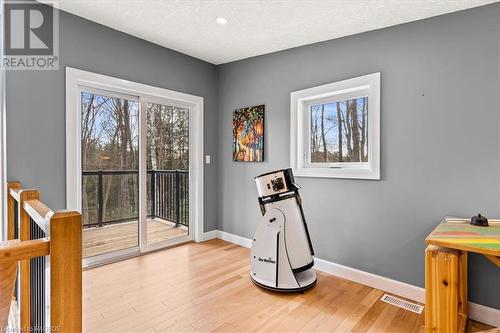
14 193
64 246
16 250
11 252
38 212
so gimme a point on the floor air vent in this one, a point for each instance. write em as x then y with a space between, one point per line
401 303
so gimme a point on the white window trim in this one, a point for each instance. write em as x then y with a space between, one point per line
75 79
367 85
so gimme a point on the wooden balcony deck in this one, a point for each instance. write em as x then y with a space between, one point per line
125 235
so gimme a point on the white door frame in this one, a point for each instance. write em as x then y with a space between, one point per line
75 79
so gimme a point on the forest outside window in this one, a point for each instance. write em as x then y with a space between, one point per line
110 146
335 129
338 133
134 164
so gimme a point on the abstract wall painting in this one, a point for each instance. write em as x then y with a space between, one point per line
248 134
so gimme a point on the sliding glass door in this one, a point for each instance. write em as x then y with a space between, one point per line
110 169
135 173
167 165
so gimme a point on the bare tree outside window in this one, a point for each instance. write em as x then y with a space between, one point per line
110 142
167 161
110 139
167 137
339 131
135 165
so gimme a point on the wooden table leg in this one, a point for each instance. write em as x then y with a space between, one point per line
463 307
445 290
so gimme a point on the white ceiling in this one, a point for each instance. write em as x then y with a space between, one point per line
254 26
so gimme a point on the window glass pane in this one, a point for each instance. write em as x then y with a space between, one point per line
339 131
167 162
110 172
167 137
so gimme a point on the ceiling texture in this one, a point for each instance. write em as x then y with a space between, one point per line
254 27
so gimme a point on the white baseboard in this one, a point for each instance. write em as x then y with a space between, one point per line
209 235
477 312
242 241
484 314
368 279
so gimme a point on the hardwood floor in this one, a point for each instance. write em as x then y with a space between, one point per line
125 235
205 287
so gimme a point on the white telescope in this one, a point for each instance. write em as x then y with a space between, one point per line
282 254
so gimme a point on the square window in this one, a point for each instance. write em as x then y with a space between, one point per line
335 129
339 131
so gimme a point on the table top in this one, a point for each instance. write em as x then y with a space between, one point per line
467 237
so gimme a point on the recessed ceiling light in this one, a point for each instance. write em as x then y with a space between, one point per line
221 20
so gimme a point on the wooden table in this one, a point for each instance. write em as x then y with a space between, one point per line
446 271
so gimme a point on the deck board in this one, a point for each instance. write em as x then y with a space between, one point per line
125 235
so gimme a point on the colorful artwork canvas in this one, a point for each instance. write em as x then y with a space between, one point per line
248 134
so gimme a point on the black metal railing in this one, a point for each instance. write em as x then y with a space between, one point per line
167 196
16 236
16 220
37 284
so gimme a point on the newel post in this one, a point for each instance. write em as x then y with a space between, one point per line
10 209
66 271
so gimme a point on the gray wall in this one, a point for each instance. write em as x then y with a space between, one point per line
439 145
36 102
439 142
